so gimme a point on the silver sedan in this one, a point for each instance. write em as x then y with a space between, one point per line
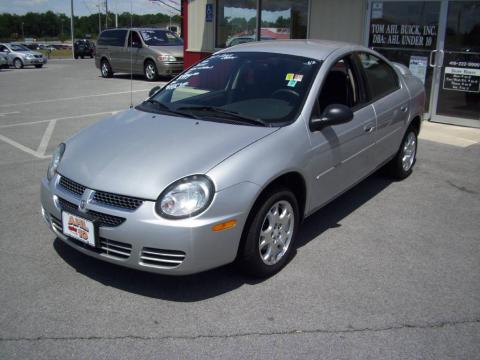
225 162
19 56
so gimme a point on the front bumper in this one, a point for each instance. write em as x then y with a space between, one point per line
34 61
169 68
148 242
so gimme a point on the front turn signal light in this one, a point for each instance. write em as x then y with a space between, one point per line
225 225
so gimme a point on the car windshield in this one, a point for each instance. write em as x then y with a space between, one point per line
257 88
160 38
17 47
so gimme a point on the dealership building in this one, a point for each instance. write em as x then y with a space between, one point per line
438 40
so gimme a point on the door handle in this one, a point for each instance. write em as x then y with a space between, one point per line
369 128
430 62
404 108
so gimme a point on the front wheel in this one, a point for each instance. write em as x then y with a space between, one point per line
150 71
402 164
270 235
106 69
17 63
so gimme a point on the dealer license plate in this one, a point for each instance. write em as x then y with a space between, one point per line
78 228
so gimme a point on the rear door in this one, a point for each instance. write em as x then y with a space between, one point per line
112 44
342 154
390 99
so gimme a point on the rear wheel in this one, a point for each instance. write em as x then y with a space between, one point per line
106 69
150 71
269 236
402 164
17 63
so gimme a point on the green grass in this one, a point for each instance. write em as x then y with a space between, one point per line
58 53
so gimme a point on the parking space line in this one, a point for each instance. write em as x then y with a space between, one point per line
46 137
9 113
59 119
72 98
23 148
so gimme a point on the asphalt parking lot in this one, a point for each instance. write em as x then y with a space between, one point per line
389 270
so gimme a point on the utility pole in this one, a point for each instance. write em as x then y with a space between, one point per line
72 29
116 19
99 6
23 33
106 14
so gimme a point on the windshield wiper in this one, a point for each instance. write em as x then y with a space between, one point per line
233 114
165 108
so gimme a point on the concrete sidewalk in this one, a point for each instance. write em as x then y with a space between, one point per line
449 134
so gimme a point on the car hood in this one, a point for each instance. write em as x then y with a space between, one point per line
176 51
25 53
139 154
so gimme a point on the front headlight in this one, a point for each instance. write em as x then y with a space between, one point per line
166 58
186 197
56 157
30 57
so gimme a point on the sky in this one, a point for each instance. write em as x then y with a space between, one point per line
87 7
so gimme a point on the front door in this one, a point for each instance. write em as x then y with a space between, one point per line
342 154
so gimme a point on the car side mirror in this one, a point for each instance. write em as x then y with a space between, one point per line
136 44
153 91
334 114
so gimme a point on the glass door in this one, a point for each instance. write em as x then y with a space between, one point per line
456 99
406 32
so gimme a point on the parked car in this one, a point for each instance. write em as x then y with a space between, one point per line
19 56
245 39
226 161
83 48
148 51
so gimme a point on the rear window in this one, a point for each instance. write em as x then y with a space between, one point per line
112 38
381 78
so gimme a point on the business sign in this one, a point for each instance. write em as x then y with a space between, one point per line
403 35
209 13
461 79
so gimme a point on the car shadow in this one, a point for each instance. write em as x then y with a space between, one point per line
224 279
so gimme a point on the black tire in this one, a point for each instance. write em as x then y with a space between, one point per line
250 255
18 63
38 66
150 71
398 168
82 56
91 56
106 69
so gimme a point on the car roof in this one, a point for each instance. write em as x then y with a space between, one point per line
314 49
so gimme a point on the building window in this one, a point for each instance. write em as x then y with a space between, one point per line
236 22
285 19
280 19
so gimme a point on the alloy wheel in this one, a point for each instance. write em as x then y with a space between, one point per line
276 232
409 151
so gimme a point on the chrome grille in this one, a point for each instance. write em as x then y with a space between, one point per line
72 186
120 201
161 258
103 219
102 197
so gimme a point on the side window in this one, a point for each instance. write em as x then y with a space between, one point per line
340 86
113 38
133 37
381 78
